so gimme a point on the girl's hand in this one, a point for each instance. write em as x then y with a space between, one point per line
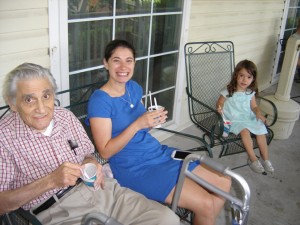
261 117
220 103
220 109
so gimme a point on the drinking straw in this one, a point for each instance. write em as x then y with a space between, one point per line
150 98
155 102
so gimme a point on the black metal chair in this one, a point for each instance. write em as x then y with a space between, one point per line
209 67
19 217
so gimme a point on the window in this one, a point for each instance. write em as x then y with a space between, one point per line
152 26
290 27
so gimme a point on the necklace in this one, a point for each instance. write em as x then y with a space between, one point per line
129 97
129 102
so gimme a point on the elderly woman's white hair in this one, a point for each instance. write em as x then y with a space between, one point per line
25 71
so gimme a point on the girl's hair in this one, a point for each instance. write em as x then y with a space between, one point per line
251 69
111 47
25 71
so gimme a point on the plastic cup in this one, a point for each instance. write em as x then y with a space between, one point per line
89 174
152 108
227 126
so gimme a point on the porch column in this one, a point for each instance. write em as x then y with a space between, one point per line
288 109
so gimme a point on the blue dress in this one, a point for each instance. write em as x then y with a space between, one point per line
143 165
237 109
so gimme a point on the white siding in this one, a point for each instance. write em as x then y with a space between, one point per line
253 27
23 34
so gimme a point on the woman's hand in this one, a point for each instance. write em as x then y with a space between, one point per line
152 119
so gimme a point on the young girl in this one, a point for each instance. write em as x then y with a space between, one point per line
239 106
120 126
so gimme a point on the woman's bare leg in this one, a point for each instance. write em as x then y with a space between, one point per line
204 204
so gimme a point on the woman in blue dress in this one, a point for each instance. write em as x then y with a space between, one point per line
238 105
120 126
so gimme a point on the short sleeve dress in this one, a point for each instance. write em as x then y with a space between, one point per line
237 109
143 165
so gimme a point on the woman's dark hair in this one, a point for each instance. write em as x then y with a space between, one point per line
113 45
251 69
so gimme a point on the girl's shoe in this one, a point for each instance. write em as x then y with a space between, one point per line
268 166
256 166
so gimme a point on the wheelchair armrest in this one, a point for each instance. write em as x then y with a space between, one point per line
274 110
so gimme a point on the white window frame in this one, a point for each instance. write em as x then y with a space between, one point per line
275 75
59 59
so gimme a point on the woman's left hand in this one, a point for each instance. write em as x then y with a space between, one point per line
157 117
153 118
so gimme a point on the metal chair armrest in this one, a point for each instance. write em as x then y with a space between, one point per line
274 109
215 128
204 147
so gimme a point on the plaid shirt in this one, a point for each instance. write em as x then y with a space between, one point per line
27 155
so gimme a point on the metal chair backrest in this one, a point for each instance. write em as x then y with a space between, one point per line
209 66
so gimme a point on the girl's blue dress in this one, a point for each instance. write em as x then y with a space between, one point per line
143 165
237 109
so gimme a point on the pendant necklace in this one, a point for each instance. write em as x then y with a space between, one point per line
129 97
129 102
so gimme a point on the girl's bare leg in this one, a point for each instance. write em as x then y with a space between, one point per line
248 144
262 145
204 204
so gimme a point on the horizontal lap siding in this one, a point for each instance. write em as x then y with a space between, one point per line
24 35
253 27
